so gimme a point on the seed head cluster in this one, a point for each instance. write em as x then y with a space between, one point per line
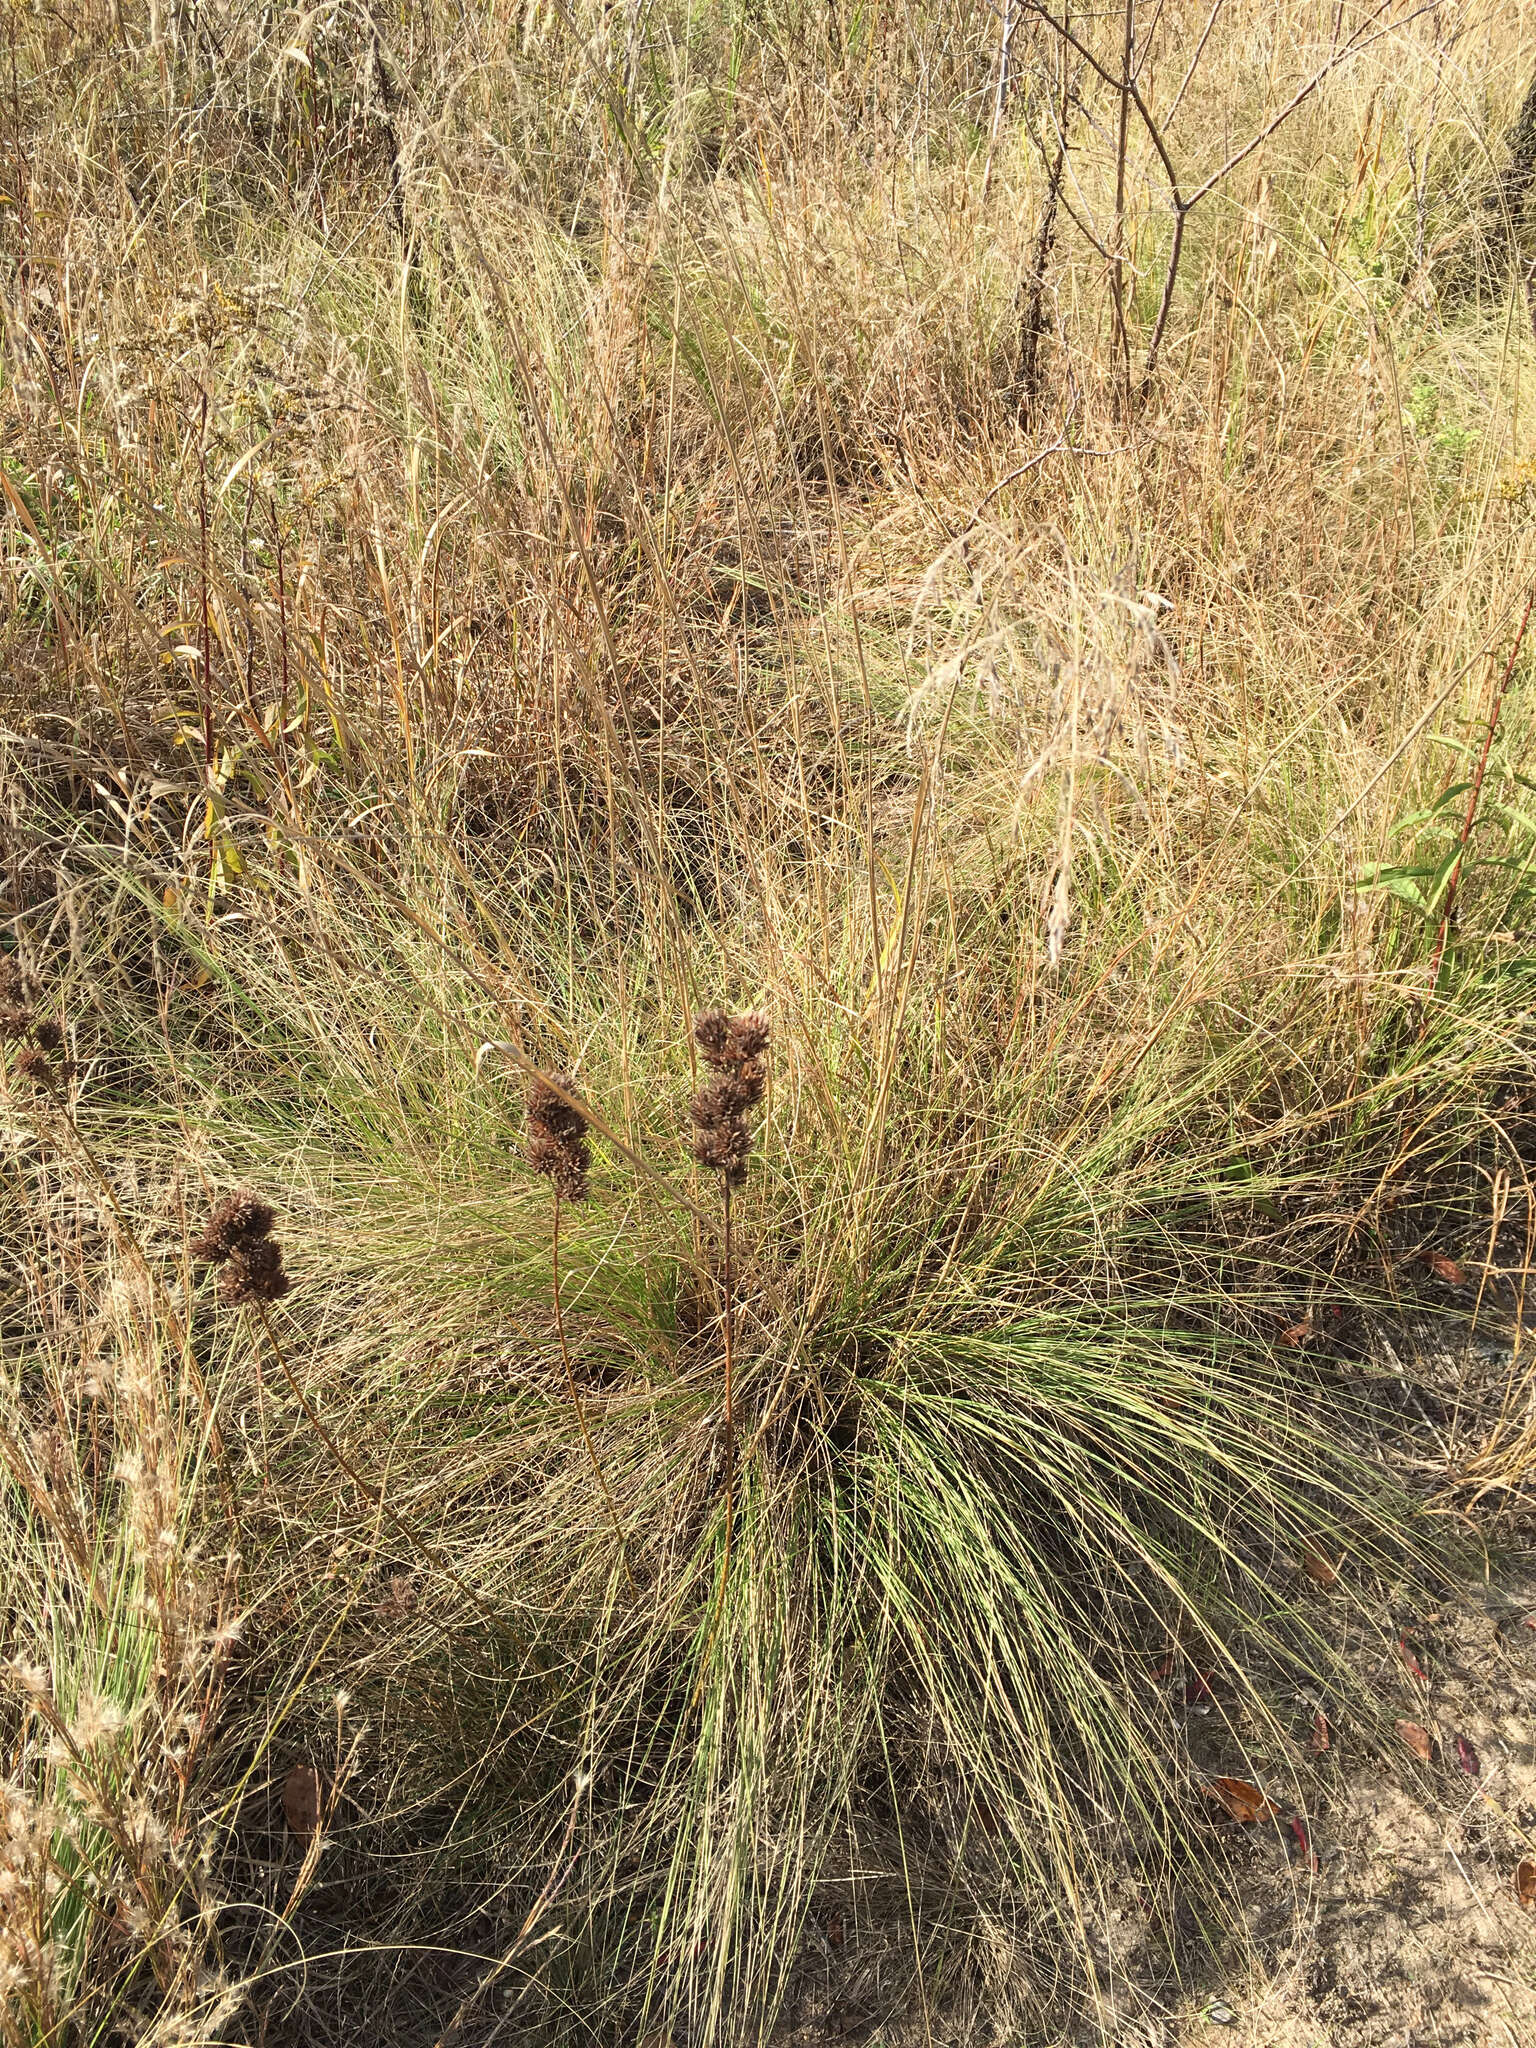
237 1236
41 1058
558 1146
735 1048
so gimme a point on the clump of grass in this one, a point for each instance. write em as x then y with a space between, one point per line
397 668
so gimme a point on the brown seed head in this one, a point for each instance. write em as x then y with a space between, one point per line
49 1034
747 1038
254 1272
16 985
33 1065
558 1146
15 1022
711 1030
734 1047
238 1220
731 1096
725 1148
728 1042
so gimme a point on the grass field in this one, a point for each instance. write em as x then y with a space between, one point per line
996 540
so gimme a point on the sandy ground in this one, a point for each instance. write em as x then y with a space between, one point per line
1411 1934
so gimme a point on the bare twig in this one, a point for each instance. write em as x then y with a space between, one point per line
1124 84
1122 145
1001 90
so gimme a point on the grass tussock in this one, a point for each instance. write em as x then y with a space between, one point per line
775 767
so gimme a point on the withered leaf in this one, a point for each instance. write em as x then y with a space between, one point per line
1241 1800
1198 1694
1296 1333
1525 1883
301 1801
1410 1662
1318 1566
986 1815
1418 1739
1468 1757
1304 1841
1321 1736
1445 1269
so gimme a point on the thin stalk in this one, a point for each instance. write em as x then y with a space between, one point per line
570 1377
730 1414
1475 793
1122 145
206 657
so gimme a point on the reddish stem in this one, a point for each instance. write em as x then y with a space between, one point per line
1474 794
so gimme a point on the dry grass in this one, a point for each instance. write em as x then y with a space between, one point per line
525 525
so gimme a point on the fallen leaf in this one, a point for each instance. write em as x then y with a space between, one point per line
1296 1333
1165 1668
1418 1739
1445 1269
301 1801
1468 1757
1198 1694
1243 1801
1321 1737
835 1928
1318 1566
1410 1662
1525 1882
1530 1621
1299 1830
